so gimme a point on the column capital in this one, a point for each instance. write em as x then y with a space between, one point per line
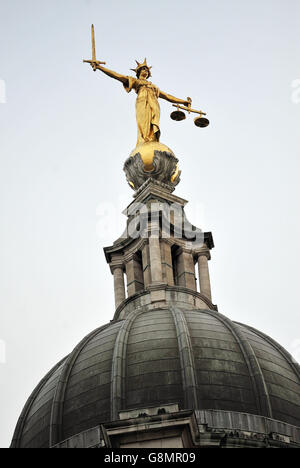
203 252
117 261
129 257
114 267
182 249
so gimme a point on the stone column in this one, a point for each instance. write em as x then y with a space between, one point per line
186 269
167 267
134 273
154 247
155 259
146 265
119 286
204 280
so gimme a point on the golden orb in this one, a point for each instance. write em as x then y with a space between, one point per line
147 150
176 174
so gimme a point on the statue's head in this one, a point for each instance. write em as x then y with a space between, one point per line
143 73
142 70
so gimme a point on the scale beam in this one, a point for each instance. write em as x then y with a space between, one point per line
178 115
188 109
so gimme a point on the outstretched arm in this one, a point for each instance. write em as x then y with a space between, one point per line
170 98
111 73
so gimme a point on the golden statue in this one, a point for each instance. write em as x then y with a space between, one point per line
147 105
147 108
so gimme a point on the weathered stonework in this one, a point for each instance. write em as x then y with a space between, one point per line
168 371
240 384
163 257
167 427
164 168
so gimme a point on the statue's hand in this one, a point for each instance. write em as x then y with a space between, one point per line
94 65
188 101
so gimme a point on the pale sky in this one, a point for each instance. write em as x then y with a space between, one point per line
66 132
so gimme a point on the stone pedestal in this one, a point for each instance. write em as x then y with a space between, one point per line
152 160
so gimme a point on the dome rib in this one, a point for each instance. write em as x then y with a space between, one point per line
56 420
196 358
259 385
118 372
16 441
287 356
188 372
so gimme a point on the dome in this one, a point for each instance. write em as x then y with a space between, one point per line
198 359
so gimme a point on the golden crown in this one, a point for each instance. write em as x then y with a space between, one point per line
141 65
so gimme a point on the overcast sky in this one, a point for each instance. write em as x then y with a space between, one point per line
66 132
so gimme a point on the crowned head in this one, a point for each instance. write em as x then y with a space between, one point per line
142 67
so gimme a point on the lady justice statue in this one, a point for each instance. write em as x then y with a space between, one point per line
147 113
147 105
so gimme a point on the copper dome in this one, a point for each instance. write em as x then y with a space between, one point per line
198 359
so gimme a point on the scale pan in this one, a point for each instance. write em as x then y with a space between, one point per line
201 122
177 115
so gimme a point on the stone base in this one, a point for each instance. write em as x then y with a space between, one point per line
165 426
163 297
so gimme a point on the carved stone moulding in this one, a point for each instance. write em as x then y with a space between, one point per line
152 161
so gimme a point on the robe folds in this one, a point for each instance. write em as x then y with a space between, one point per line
147 109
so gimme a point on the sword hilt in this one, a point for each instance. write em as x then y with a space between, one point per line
97 62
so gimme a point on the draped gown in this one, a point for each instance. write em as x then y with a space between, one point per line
147 109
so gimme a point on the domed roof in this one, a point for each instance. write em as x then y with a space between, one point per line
198 359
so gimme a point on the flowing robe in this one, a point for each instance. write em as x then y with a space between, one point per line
147 109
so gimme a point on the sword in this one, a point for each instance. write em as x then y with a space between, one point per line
94 60
93 44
